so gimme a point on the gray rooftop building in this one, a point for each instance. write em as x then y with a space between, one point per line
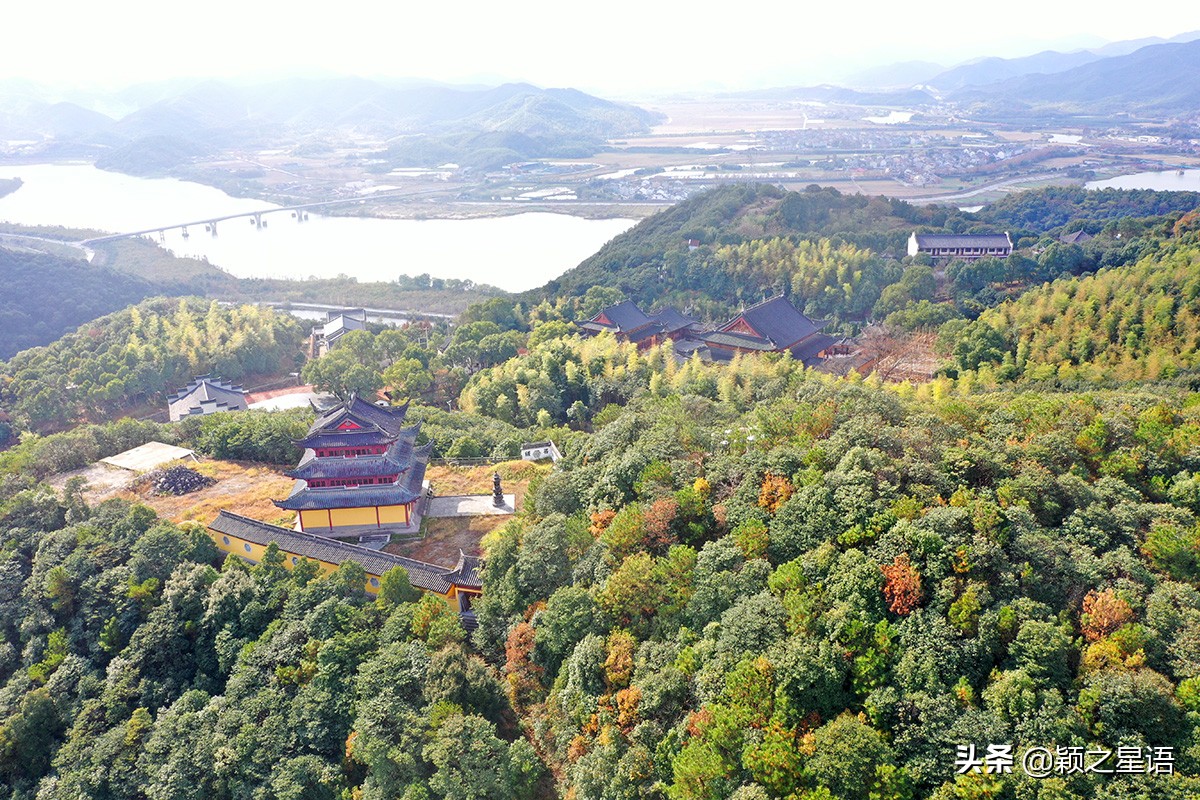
205 395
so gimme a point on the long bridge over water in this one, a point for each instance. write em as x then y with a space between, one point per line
256 217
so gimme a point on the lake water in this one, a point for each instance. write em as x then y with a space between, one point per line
516 252
1166 181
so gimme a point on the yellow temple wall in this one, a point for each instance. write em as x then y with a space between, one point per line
254 552
353 516
393 515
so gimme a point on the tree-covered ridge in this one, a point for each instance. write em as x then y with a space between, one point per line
142 353
580 381
637 261
751 581
45 296
789 587
843 254
132 668
1073 208
1132 323
827 280
822 596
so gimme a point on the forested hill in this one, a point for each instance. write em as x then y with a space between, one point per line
852 247
135 355
652 261
45 296
803 588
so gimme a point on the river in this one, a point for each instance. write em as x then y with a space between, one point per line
1167 181
515 252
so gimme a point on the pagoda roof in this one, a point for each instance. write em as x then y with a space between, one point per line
358 438
423 575
409 485
397 458
355 422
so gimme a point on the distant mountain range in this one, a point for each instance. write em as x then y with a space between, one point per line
369 107
215 114
1161 80
983 71
1145 76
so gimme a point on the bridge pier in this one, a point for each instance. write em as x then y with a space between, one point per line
258 221
214 228
185 233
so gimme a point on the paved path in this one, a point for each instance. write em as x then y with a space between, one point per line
941 198
469 505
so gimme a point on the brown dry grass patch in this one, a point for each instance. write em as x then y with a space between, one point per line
242 488
514 478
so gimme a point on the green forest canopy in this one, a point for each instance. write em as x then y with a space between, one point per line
815 588
142 353
745 580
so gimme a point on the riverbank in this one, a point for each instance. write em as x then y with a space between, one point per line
468 210
524 247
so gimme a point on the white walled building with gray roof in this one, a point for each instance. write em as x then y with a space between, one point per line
205 395
967 247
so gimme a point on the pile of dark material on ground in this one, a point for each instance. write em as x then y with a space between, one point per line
179 480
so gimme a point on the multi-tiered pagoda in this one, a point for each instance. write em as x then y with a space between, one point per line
361 472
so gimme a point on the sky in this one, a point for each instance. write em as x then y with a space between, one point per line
617 47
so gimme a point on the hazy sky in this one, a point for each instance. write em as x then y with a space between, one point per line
619 47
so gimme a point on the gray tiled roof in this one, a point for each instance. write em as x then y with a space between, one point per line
377 425
625 317
734 339
205 394
468 572
360 438
671 320
388 419
653 329
987 241
409 486
778 321
806 351
422 575
338 324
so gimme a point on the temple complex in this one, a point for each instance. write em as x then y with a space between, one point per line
362 472
773 326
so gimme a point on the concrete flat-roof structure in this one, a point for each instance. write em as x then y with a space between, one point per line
148 456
